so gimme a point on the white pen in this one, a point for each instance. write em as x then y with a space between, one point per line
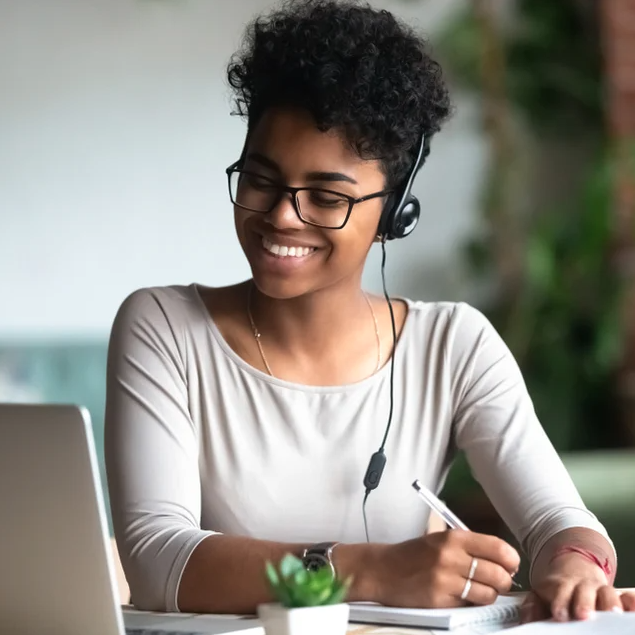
441 508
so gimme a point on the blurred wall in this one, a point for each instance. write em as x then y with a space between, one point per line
114 135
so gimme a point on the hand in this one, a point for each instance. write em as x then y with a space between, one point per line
573 589
431 571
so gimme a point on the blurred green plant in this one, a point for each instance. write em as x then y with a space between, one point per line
552 56
557 294
563 324
296 587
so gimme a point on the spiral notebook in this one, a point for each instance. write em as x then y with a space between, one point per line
505 611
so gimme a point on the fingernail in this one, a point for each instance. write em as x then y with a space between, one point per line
617 609
561 615
587 614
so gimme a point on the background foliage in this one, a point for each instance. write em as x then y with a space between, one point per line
543 251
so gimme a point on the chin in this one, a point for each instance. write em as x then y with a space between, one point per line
279 289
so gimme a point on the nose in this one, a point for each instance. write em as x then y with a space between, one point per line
284 214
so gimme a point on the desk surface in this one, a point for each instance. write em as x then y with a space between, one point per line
354 629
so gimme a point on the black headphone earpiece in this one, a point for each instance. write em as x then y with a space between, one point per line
406 218
402 210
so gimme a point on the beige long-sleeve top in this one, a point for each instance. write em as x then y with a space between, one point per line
199 442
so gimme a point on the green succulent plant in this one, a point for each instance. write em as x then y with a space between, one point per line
295 587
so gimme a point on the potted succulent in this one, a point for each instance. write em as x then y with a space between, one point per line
309 602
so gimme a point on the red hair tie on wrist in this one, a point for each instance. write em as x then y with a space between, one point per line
588 555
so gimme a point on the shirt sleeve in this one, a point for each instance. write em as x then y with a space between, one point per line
151 452
507 449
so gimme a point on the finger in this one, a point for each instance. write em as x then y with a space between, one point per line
584 600
533 609
608 599
451 555
628 601
474 592
493 549
492 575
561 602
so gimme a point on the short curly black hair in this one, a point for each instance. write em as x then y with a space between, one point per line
354 68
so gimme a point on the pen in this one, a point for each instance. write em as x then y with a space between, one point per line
441 508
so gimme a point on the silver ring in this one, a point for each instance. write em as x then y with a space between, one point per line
473 566
466 589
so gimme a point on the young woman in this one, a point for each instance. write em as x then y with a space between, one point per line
240 420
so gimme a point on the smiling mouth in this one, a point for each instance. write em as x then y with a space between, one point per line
285 251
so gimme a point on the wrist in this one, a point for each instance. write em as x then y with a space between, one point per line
363 562
573 564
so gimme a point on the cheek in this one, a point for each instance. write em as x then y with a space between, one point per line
364 225
240 222
355 240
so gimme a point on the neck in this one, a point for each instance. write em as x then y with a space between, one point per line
312 323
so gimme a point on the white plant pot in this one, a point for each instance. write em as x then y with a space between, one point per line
314 620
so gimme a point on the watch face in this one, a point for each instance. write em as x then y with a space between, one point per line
315 561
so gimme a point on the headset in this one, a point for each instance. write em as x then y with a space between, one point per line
401 212
398 219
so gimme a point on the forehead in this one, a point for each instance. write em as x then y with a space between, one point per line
291 139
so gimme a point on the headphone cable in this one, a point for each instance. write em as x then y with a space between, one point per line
394 343
378 460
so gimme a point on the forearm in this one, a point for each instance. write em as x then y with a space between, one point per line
553 558
225 574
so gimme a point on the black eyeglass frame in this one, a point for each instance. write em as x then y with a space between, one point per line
282 189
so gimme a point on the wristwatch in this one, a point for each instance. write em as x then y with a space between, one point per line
319 556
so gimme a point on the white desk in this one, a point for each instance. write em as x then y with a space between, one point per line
188 622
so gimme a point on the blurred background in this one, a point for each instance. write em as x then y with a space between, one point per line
115 130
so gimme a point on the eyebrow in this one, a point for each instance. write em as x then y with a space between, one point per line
329 177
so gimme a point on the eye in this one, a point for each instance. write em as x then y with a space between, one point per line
327 199
258 182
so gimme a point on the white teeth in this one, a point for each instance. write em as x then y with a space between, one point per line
284 252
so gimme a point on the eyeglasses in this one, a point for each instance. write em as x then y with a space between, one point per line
314 206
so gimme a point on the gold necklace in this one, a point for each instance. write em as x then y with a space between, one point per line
256 332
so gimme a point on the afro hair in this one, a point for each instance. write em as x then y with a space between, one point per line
354 68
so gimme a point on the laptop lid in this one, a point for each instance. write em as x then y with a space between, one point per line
57 573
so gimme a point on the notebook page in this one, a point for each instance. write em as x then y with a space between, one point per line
604 623
504 610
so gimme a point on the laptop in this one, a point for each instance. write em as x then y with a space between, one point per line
57 574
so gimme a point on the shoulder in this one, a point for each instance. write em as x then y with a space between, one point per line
456 334
172 306
171 302
160 316
461 341
456 322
